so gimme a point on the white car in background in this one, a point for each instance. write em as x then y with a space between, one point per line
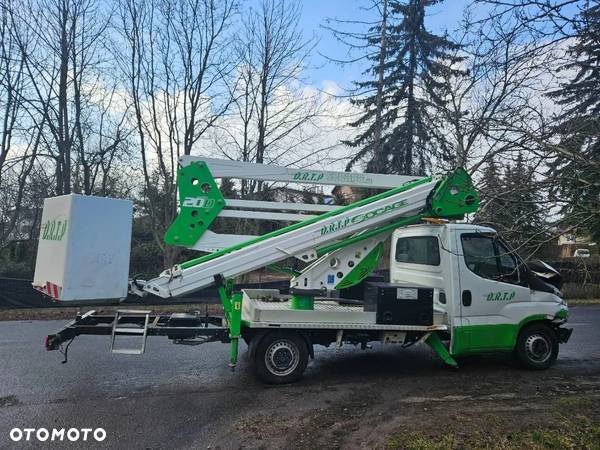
581 253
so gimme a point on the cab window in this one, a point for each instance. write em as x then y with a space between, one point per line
480 255
508 264
489 258
418 250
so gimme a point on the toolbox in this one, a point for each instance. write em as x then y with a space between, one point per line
399 304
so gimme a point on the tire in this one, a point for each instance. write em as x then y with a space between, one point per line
281 357
537 346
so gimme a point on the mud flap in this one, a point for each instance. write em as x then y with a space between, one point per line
436 344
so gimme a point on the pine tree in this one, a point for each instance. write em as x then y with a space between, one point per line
577 169
490 190
400 135
522 214
510 203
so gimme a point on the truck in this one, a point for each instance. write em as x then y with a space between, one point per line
454 286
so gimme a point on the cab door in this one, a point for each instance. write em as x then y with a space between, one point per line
491 290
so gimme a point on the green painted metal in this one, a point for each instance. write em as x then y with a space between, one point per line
200 202
296 226
484 338
303 302
454 197
362 269
436 344
232 308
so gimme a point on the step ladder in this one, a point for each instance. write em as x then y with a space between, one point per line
130 330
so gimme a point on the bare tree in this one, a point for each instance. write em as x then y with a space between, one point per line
275 118
177 66
63 44
19 140
12 84
497 88
501 119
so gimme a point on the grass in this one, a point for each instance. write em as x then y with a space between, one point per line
572 423
583 301
577 433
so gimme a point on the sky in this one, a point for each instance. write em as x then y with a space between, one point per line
441 17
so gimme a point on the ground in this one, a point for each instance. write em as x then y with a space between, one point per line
386 397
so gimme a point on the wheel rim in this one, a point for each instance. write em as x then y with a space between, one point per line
538 348
282 357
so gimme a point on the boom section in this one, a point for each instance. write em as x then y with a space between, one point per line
302 239
269 172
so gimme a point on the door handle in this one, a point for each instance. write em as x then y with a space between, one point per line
466 298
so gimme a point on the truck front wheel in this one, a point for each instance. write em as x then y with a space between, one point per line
537 346
281 357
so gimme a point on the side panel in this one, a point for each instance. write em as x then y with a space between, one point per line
97 266
52 246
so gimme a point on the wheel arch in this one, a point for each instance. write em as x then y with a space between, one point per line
532 320
253 336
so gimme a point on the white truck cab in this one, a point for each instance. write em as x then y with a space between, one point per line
485 292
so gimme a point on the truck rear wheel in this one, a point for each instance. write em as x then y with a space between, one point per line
537 346
281 357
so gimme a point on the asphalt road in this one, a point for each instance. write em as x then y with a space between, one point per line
186 397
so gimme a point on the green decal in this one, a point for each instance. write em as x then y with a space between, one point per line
341 224
54 230
308 176
200 202
500 296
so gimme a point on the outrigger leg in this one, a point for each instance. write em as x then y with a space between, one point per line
232 307
436 344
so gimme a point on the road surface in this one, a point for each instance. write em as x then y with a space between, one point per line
186 397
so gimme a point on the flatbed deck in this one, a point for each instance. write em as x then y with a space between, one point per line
267 308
